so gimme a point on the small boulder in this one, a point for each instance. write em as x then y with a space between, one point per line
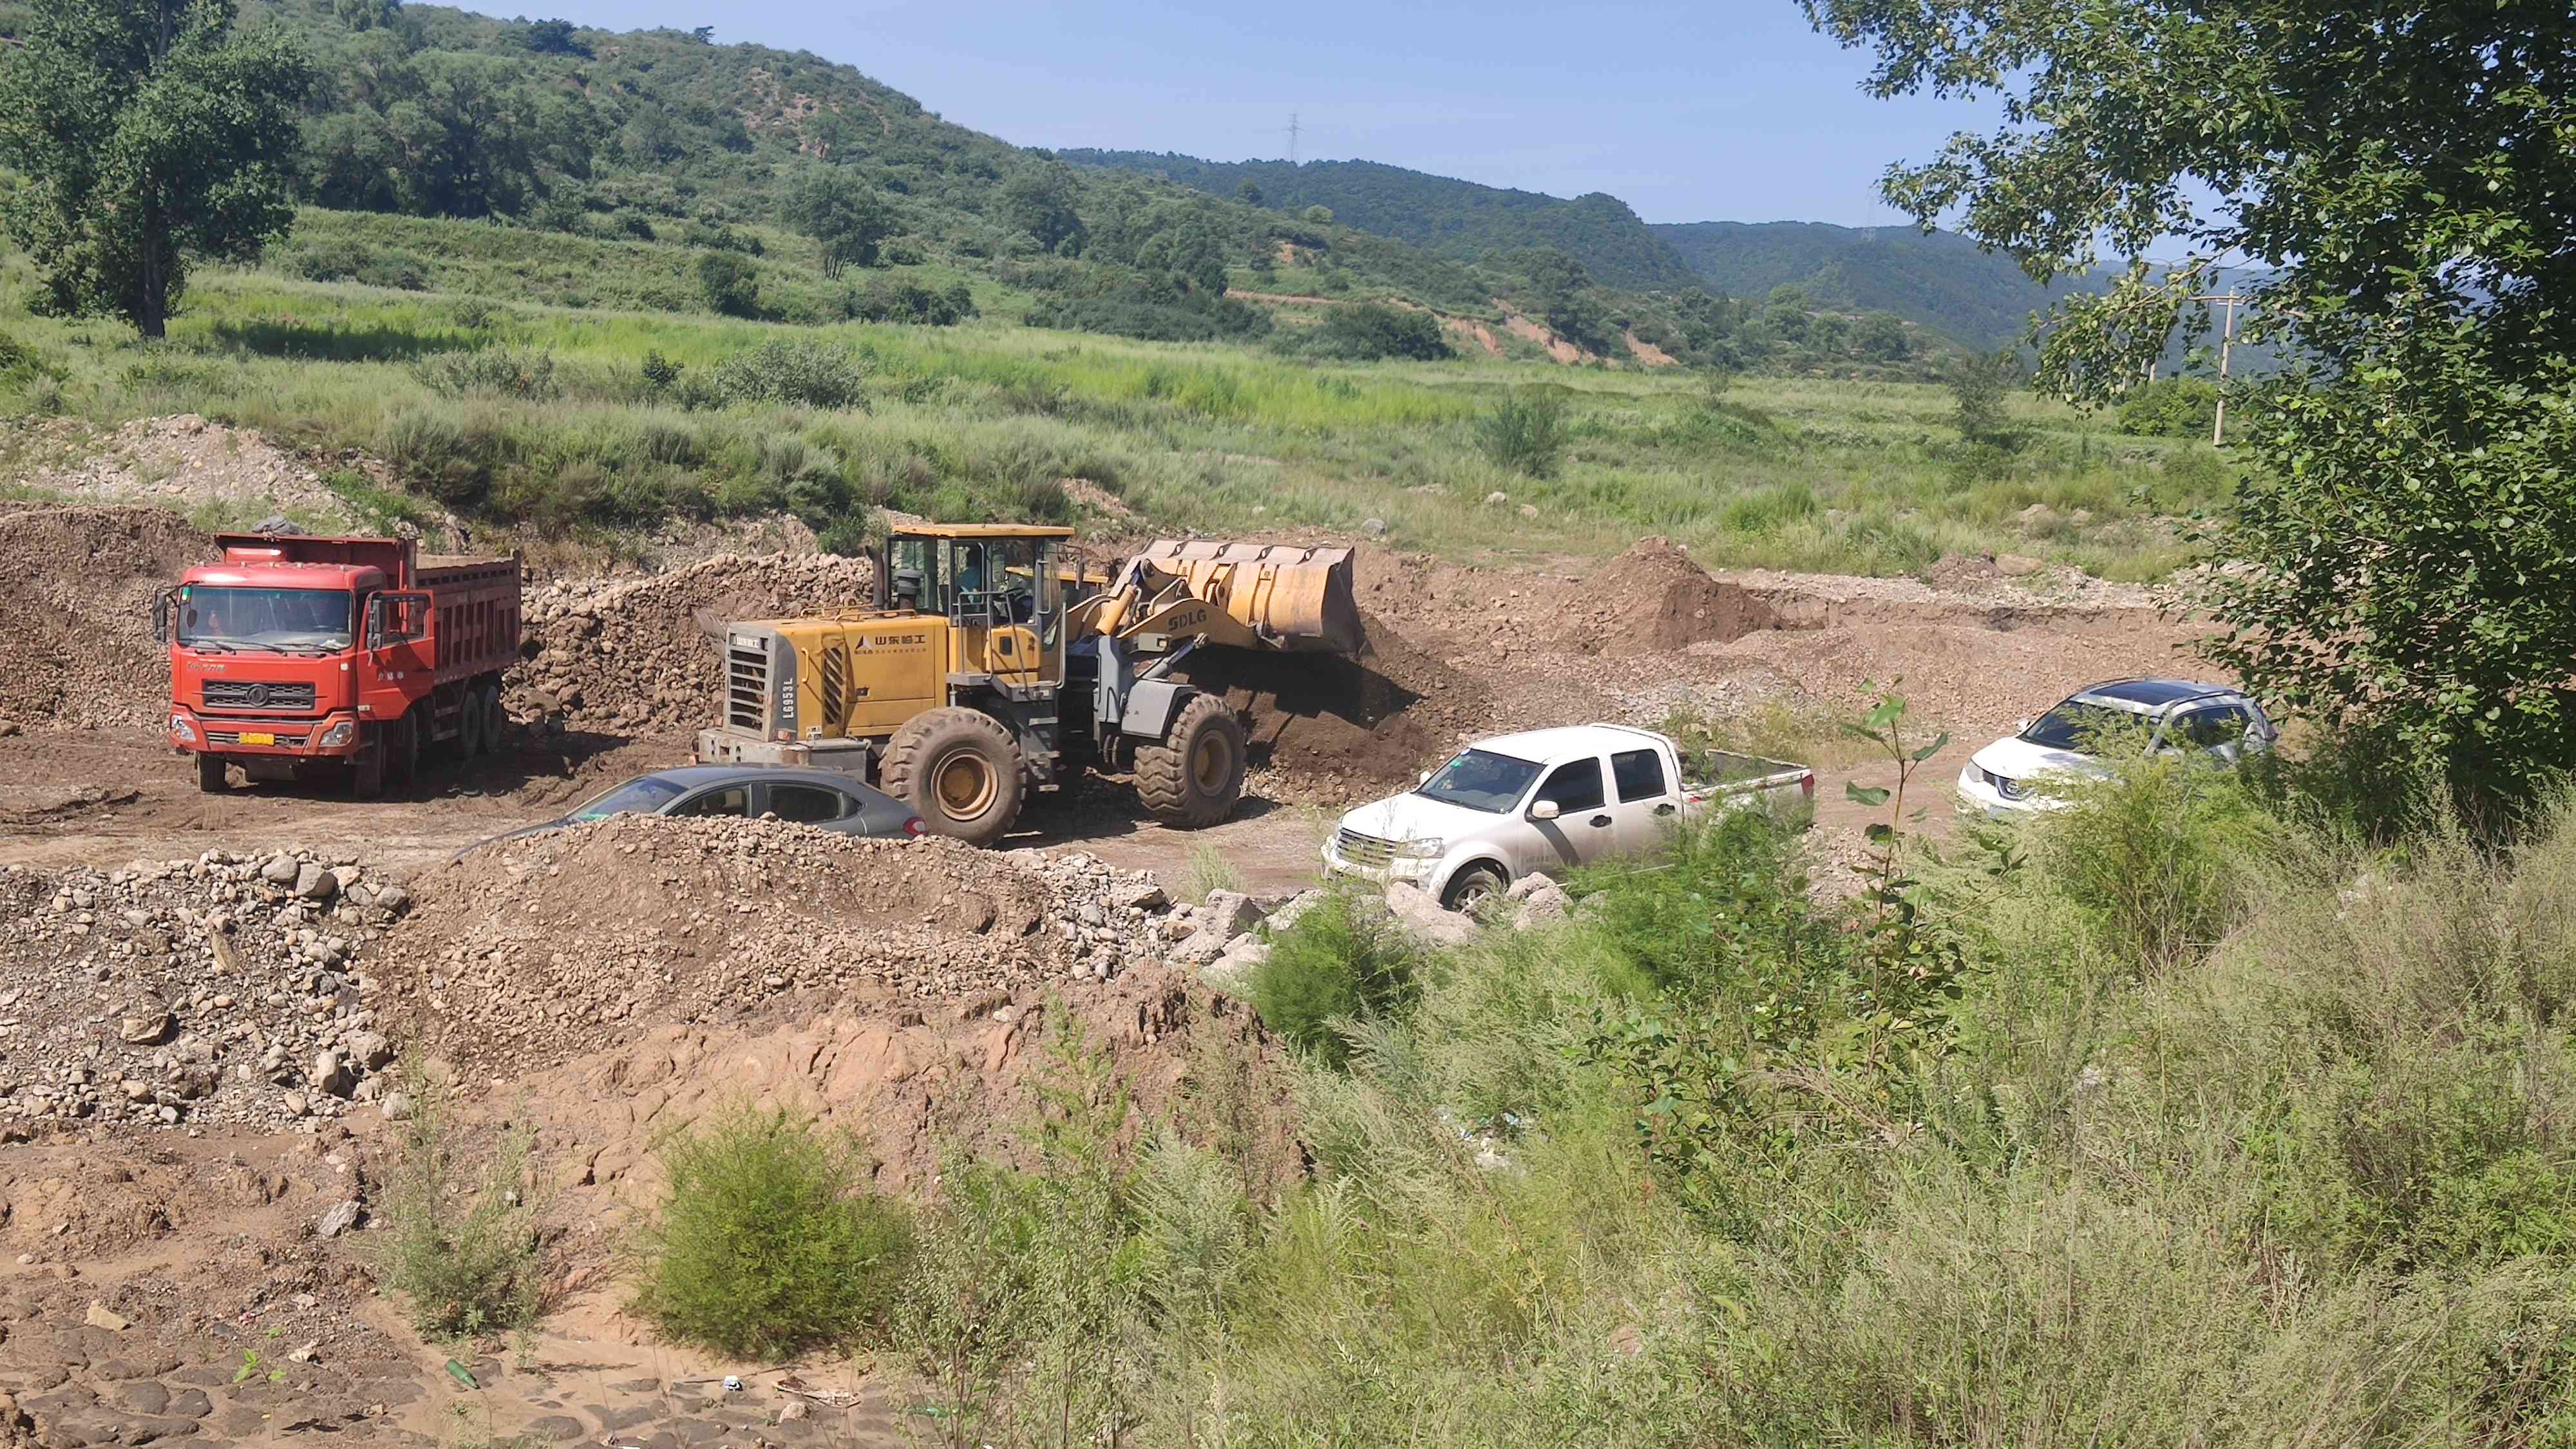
342 1216
1526 886
370 1050
281 870
1229 914
1497 498
102 1316
1286 917
1542 907
315 882
329 1074
2017 566
1424 919
145 1023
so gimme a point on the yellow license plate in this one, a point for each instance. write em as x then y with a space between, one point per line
258 737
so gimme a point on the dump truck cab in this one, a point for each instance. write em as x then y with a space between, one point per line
990 656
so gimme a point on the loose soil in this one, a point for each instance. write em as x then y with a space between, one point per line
76 585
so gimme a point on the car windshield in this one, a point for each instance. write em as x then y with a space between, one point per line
235 618
640 796
2078 726
1481 780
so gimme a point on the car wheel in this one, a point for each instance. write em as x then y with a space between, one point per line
1473 889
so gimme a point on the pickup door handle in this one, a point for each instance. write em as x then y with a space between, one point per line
1666 808
1598 820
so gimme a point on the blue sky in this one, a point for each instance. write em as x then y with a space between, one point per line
1732 110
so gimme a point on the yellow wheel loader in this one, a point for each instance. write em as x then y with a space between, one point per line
992 663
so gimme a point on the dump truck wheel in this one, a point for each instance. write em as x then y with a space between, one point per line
210 774
1195 776
367 766
496 720
402 751
469 726
959 770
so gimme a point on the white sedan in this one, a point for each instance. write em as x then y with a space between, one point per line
2011 777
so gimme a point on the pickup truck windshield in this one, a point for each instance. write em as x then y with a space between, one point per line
2073 726
640 796
1481 780
238 618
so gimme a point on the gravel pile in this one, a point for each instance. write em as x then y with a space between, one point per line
528 953
224 989
627 654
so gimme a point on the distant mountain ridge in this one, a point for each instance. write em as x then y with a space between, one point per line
1940 280
1460 220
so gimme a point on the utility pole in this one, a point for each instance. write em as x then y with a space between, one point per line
1292 138
2231 300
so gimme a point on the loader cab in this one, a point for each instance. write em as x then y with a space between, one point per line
999 586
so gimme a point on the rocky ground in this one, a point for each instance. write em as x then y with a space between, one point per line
213 1009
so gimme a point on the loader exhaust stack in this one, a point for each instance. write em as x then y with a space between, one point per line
1293 598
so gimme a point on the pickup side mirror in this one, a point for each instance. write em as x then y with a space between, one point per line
2021 727
1544 810
1426 778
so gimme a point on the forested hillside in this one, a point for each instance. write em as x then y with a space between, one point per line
1457 219
1941 281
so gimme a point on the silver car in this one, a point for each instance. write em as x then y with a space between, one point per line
825 799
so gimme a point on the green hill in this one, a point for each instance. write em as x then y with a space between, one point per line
1456 219
1940 281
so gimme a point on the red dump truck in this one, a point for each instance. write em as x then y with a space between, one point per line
298 655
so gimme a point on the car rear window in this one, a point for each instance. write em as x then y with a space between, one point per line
809 804
1639 774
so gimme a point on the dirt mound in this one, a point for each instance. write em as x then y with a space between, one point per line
77 585
198 991
185 462
627 654
1324 726
919 1086
529 952
1654 599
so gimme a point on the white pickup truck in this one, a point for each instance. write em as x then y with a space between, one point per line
1545 801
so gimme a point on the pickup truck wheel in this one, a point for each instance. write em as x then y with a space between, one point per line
959 770
1195 776
1473 889
210 774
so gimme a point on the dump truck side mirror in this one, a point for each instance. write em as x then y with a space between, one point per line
161 606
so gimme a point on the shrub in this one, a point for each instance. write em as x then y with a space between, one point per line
766 1243
1524 433
1369 331
807 374
462 1246
1343 960
2171 407
730 284
495 371
1978 387
2156 857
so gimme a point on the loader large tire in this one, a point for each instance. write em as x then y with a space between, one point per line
1195 776
959 770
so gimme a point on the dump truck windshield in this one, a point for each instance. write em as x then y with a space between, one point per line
1481 780
286 619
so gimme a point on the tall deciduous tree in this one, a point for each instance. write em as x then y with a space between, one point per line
150 134
1041 202
2396 183
841 212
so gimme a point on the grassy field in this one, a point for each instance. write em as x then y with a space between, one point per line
517 391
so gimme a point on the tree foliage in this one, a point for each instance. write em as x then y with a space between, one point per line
2403 179
150 134
845 215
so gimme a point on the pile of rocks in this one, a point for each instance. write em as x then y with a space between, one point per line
224 989
531 952
628 654
1229 935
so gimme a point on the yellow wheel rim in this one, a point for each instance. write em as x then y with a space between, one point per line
1208 762
964 784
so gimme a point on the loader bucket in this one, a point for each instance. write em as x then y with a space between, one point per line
1295 598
